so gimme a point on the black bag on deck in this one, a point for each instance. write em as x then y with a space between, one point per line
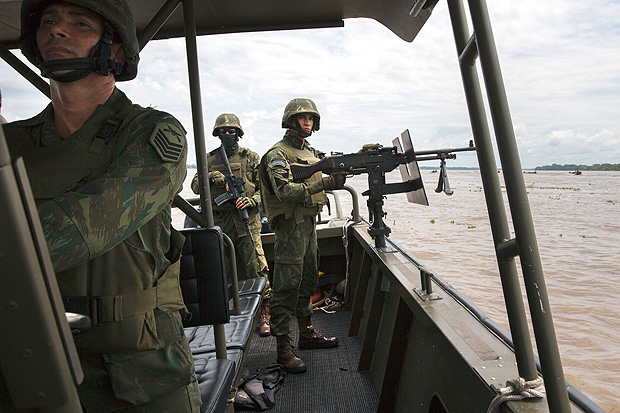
258 391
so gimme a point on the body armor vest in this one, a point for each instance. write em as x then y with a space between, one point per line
273 207
239 167
121 288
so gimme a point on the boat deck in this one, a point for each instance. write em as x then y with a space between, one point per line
332 382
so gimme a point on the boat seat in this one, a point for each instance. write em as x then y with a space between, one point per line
238 333
251 286
215 379
201 361
249 304
203 280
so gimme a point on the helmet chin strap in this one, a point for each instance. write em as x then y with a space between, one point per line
98 61
297 128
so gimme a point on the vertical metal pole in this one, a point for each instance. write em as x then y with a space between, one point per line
199 138
495 202
24 70
197 119
540 310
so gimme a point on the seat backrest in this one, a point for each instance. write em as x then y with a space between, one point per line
203 278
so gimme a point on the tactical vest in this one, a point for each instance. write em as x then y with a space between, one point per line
272 206
239 167
121 288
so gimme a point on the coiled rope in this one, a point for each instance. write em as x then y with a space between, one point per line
518 389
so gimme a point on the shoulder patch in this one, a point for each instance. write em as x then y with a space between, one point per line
168 140
277 163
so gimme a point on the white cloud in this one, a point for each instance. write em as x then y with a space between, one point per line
559 63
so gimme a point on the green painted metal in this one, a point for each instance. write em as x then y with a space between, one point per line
492 192
531 267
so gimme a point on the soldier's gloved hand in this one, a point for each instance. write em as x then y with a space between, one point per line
334 181
217 178
370 147
245 202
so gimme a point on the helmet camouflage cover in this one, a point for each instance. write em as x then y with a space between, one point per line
298 106
227 120
116 12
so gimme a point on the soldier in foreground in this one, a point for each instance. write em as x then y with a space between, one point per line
103 172
292 209
250 257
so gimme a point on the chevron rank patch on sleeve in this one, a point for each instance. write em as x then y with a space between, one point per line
168 141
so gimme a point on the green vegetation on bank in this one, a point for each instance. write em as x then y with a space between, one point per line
572 167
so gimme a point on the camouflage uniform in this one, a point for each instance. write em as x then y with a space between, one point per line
104 197
291 209
251 261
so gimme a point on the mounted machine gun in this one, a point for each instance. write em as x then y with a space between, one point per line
376 163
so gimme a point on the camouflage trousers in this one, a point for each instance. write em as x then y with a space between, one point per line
295 275
250 258
151 381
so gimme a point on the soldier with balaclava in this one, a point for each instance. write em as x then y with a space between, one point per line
250 257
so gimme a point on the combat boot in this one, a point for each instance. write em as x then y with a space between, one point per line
287 358
310 338
264 329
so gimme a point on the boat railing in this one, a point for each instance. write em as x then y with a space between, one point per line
355 213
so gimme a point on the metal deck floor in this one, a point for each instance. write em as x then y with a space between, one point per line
331 383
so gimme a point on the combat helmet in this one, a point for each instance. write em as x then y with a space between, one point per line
227 120
119 20
298 106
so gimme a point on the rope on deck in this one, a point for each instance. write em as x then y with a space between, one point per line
518 389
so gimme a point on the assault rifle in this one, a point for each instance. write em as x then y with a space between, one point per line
234 189
376 163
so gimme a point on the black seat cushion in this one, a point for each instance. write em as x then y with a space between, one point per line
248 304
252 286
214 381
202 340
203 280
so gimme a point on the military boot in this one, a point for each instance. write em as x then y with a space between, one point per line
310 338
287 358
264 329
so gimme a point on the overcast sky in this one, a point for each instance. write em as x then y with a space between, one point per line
560 62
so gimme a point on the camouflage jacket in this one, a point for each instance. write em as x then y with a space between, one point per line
282 196
104 198
89 217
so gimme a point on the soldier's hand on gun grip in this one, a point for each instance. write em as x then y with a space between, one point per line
217 178
334 181
370 147
245 202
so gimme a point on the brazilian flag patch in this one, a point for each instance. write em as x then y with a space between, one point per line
168 141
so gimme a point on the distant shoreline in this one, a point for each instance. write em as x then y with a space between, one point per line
573 167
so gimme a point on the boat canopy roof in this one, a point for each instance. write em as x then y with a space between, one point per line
234 16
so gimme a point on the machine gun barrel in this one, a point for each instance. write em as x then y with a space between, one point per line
447 153
234 190
385 159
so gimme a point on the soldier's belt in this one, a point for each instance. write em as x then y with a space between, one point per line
113 308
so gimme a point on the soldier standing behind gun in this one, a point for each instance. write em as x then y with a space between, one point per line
250 257
292 209
103 172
